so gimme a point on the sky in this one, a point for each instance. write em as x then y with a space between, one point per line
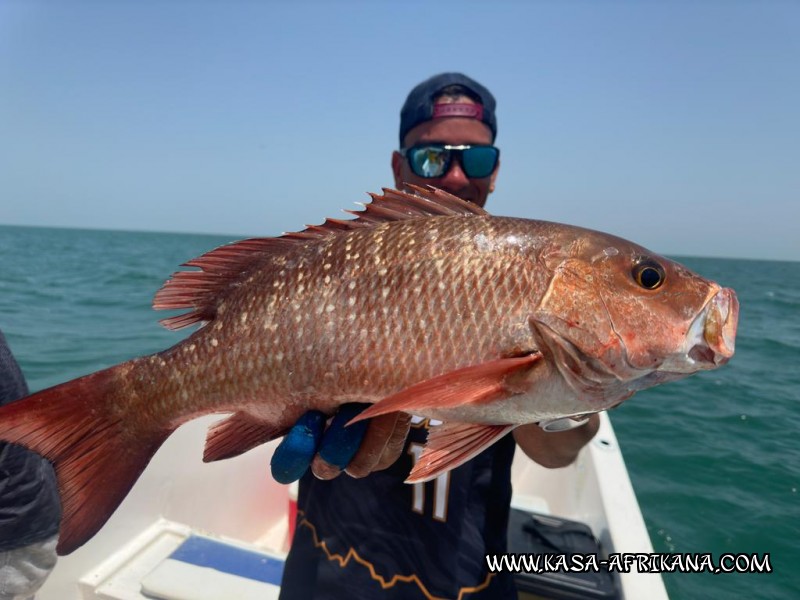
673 124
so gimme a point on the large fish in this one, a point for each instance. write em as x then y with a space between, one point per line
423 303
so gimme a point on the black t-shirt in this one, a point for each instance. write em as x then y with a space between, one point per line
378 537
30 510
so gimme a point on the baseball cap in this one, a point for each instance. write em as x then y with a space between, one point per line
419 106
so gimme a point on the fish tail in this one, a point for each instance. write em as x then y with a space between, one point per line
79 426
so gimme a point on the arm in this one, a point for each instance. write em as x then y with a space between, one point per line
555 449
29 506
360 451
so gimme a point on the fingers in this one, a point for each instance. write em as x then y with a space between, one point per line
323 469
381 431
340 443
361 448
396 443
293 455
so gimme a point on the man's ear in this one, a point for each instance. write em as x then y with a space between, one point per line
494 176
397 169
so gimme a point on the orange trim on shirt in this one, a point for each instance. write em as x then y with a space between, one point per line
351 553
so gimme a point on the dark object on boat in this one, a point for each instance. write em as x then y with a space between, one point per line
534 534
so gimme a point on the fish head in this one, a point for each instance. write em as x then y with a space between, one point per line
619 318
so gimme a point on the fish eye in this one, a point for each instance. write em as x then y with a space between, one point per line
649 274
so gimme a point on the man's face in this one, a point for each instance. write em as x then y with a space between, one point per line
455 131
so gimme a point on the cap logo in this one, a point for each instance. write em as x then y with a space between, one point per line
470 111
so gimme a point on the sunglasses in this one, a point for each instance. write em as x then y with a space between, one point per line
433 160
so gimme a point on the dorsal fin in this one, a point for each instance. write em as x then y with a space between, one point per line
395 205
198 290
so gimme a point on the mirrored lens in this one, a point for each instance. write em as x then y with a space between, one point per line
479 161
429 161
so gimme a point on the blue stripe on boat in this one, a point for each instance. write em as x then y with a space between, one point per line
206 552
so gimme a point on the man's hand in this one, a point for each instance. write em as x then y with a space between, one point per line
359 449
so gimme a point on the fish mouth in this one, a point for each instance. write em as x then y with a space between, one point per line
714 331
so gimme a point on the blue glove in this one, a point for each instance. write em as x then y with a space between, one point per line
337 445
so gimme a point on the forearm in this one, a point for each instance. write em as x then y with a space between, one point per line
555 449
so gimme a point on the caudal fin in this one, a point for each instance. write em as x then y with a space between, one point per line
80 427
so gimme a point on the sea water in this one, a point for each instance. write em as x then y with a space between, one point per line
714 459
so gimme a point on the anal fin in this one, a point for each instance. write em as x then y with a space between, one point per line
451 445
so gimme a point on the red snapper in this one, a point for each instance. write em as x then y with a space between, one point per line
423 303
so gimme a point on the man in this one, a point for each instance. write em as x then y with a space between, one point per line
29 505
376 537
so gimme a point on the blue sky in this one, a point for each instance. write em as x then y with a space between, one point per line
674 124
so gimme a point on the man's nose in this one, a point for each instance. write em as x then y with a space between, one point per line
455 178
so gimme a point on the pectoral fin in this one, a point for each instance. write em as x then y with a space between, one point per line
451 445
475 384
236 435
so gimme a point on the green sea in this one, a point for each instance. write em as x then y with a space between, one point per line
714 459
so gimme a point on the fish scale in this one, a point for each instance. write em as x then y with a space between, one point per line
414 286
422 304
